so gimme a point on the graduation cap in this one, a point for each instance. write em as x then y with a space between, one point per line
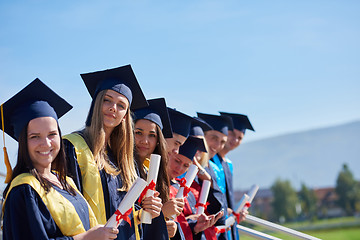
198 127
157 113
191 145
121 80
241 122
33 101
180 122
217 122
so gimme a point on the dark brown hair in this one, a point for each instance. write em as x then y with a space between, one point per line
24 165
162 183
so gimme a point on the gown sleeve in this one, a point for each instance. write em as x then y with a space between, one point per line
26 217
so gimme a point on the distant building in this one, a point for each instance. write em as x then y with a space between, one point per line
261 205
326 203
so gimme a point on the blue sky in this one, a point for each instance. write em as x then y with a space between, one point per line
289 65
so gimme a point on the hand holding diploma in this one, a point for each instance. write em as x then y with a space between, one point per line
152 175
125 207
241 211
185 183
201 205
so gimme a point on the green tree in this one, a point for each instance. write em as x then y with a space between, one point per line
348 191
308 201
285 199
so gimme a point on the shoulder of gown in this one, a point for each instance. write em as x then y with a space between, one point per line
27 217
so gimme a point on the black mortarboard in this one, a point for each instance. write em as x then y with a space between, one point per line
198 127
157 113
33 101
241 122
180 122
121 80
191 145
217 122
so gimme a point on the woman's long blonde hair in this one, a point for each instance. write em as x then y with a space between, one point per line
121 143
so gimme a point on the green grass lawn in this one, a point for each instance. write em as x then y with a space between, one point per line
331 234
331 229
337 234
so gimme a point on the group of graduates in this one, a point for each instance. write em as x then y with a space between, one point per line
67 187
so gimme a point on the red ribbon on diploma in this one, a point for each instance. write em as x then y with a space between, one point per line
182 183
221 230
151 186
202 205
124 216
237 215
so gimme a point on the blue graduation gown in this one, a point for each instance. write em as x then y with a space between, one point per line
229 193
157 229
27 217
110 185
217 200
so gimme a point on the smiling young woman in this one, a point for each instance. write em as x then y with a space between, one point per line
146 138
151 126
40 201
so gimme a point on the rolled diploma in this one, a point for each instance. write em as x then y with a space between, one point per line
242 202
151 176
203 195
129 199
190 175
231 220
252 192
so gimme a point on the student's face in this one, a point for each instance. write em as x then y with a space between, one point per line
234 139
114 109
174 143
146 137
178 165
43 140
215 141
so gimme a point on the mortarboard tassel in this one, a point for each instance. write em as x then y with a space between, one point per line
8 166
6 156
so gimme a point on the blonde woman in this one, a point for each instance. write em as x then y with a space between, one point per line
100 156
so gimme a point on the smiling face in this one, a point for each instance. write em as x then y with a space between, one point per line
215 141
114 109
43 142
146 138
234 139
178 164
